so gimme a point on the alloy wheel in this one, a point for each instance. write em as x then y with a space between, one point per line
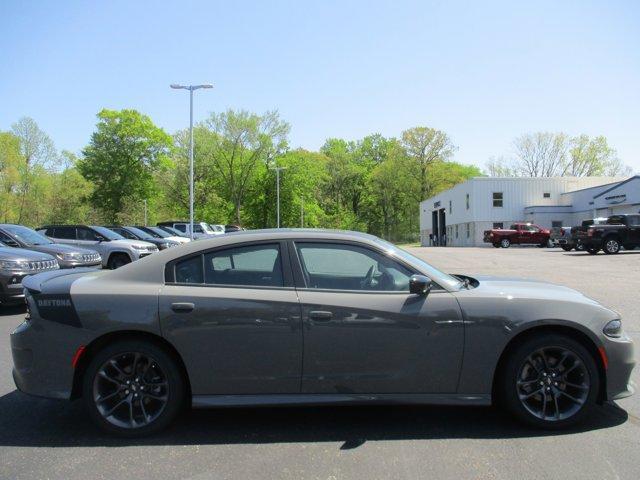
130 390
553 384
612 246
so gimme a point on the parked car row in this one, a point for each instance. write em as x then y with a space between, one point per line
610 234
24 251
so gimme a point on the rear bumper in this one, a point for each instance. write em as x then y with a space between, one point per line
42 354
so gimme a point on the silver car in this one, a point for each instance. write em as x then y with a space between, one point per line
114 249
68 256
309 317
15 265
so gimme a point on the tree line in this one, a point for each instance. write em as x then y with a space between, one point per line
373 184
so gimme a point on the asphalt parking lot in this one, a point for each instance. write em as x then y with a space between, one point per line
41 438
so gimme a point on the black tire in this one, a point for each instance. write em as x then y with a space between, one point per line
593 250
560 392
566 248
117 260
505 243
161 364
496 245
611 245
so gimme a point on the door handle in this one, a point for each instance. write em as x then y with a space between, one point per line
182 307
320 315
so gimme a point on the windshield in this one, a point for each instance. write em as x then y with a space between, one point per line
108 234
207 228
217 228
27 236
174 232
436 275
139 233
158 232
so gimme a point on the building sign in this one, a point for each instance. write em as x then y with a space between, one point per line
616 199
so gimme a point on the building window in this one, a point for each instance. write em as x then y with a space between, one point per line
467 201
546 195
497 199
468 230
450 207
556 224
456 231
498 225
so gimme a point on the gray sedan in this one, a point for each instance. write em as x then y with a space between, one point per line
68 256
288 317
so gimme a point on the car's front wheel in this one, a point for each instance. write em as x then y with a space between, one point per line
117 260
505 243
133 388
611 246
550 381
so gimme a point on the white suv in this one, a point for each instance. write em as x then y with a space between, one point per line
114 249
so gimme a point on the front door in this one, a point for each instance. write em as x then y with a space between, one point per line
365 333
234 315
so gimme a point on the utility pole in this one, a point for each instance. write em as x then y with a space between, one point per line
302 213
191 89
145 212
277 170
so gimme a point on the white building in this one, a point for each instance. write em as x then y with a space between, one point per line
465 211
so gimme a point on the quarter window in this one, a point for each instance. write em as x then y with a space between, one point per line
350 267
190 270
497 199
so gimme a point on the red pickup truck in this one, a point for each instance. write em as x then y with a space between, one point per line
519 233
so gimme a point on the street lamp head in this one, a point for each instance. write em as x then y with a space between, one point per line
206 85
176 86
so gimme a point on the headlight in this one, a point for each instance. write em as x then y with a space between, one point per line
613 329
69 256
139 247
14 265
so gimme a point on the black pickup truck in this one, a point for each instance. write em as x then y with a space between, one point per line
619 231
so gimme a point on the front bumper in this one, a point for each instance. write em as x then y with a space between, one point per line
11 293
621 361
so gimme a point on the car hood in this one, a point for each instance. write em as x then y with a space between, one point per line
54 248
526 288
10 253
128 243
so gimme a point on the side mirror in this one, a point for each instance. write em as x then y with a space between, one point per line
419 284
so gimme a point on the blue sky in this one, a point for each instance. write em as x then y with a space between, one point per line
484 72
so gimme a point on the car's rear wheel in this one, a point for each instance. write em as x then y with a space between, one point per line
611 246
118 260
566 248
550 381
593 250
505 243
133 388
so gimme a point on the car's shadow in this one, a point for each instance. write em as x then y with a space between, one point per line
34 422
7 310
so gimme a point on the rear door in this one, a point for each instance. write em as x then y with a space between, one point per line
364 332
633 226
234 314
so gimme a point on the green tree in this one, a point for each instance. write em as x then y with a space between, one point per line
121 158
593 156
239 144
11 165
425 146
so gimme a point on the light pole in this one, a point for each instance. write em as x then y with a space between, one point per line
191 88
278 169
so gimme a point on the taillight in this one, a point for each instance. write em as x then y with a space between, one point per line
590 232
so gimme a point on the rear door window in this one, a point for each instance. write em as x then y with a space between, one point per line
66 233
255 265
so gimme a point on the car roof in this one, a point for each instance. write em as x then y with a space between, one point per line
151 268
